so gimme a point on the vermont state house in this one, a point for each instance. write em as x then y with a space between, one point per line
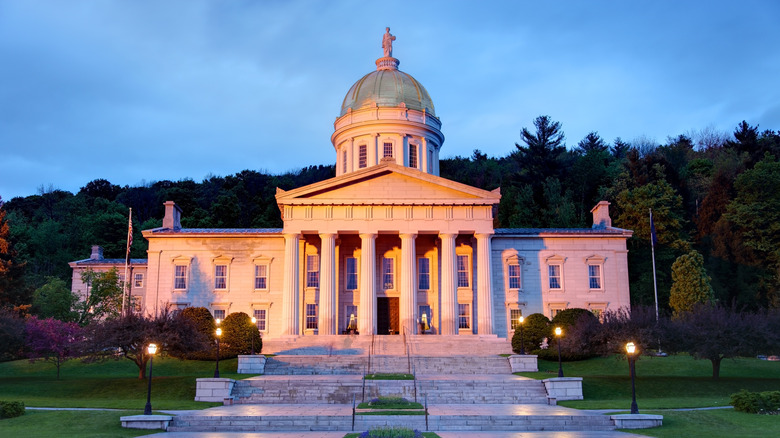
385 247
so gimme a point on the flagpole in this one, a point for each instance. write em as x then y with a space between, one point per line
652 246
127 261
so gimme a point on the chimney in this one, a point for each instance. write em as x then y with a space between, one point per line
172 219
97 253
601 217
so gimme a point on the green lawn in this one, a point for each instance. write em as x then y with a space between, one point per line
663 382
112 384
57 424
714 423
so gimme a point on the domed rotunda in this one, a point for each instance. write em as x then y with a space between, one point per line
387 116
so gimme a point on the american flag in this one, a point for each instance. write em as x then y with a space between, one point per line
130 231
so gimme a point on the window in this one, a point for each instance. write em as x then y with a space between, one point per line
220 277
514 275
425 317
344 161
430 161
261 276
514 318
362 156
351 315
594 276
312 270
138 280
554 272
413 155
311 317
352 274
261 315
424 273
180 277
387 150
388 273
556 308
219 314
463 271
135 303
463 316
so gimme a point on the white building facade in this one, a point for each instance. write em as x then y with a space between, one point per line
387 246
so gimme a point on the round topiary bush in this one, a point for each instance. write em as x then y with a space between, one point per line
569 317
535 328
237 335
580 327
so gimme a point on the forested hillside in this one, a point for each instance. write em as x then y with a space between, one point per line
716 193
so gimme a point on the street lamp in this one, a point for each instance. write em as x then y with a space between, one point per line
522 341
559 333
631 350
216 370
151 349
254 329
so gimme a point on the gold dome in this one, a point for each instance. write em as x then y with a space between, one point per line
387 87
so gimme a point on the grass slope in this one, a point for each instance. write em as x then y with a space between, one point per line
663 382
112 384
57 424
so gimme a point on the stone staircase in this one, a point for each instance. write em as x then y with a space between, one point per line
452 389
389 345
514 423
360 365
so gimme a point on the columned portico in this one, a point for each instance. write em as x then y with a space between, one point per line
290 287
449 293
367 305
327 298
484 292
408 284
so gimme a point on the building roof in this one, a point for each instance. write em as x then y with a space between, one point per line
223 231
387 87
562 231
96 262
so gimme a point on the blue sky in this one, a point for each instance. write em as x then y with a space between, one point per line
140 91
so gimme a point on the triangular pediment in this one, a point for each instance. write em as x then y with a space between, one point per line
388 183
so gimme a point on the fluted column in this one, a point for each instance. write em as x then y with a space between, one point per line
290 303
449 292
484 289
408 283
327 322
367 309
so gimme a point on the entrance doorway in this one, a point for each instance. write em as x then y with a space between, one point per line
387 316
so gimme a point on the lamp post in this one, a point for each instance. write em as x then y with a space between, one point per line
254 329
631 353
216 370
558 334
522 341
151 349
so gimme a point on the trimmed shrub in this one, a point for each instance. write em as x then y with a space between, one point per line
237 335
11 409
204 323
569 317
756 402
535 329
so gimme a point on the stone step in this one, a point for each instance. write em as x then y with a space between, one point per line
456 390
519 423
360 365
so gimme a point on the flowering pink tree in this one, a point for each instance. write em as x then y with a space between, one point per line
53 340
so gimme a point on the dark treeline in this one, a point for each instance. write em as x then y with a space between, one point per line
716 193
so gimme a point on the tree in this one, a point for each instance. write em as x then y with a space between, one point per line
536 328
592 142
621 326
203 321
714 332
690 283
539 158
104 296
127 337
11 335
54 300
53 341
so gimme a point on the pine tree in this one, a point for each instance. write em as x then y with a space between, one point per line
690 283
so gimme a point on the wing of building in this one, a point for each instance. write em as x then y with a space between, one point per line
387 246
